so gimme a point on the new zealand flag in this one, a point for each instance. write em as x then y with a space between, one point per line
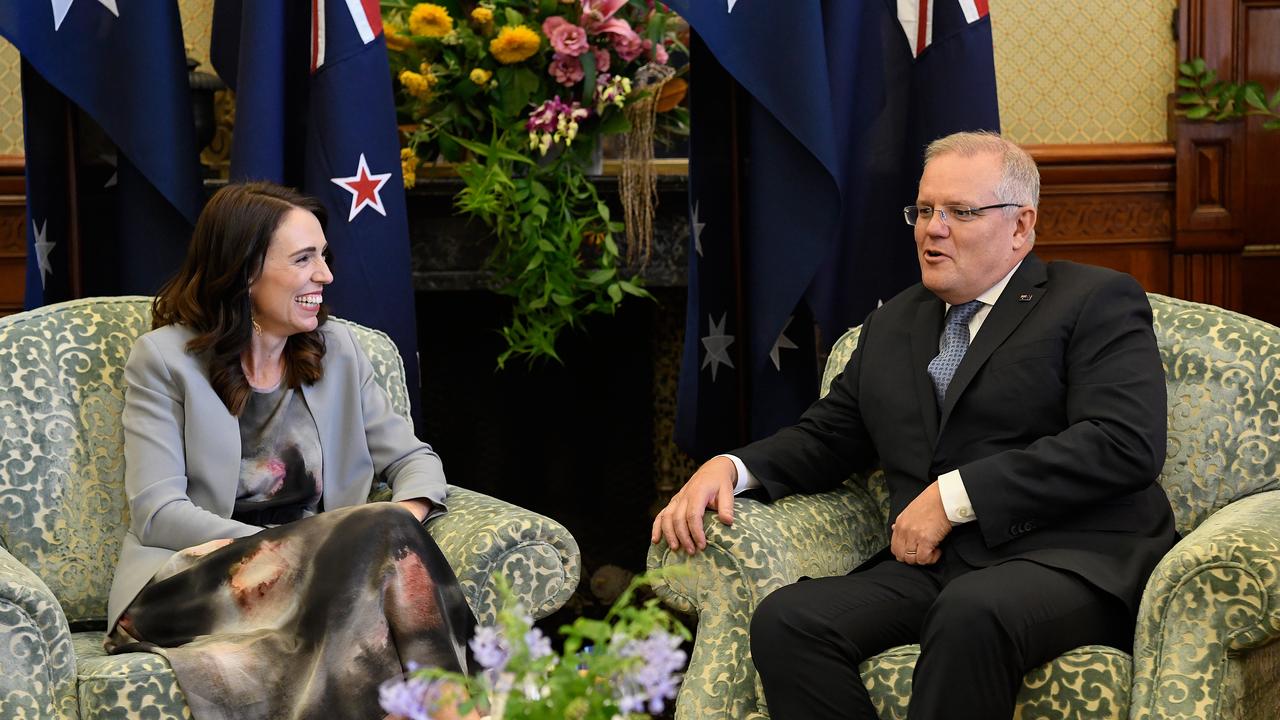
830 106
113 181
314 109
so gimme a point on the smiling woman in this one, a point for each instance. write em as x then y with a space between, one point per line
253 433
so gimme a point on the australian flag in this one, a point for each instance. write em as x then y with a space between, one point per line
810 120
113 180
314 110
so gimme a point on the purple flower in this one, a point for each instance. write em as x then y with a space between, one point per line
490 648
412 697
554 121
656 678
539 645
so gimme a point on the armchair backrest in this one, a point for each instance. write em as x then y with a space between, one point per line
1222 370
62 497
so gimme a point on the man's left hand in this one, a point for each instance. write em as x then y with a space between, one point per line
919 530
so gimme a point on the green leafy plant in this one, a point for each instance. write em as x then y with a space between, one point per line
519 94
1205 97
625 665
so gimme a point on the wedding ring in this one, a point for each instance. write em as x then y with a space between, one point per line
911 552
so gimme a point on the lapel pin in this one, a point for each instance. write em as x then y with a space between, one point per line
1024 297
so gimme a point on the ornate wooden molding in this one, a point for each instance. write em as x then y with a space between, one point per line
13 237
1110 205
1106 218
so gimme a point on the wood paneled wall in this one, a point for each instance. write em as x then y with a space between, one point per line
1228 175
13 238
1109 205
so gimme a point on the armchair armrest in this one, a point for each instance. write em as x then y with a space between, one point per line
37 663
484 538
1210 616
768 546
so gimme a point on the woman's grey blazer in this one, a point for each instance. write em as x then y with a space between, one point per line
182 450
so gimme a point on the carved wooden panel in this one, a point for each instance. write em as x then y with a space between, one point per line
1210 186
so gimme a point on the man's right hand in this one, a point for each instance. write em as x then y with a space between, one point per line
680 522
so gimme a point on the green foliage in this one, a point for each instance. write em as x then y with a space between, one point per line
580 683
1205 97
556 254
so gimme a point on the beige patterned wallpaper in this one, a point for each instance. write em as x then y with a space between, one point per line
11 106
1069 71
1084 71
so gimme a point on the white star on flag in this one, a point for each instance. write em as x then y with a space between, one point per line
696 229
113 160
782 343
60 8
731 4
43 248
717 345
364 189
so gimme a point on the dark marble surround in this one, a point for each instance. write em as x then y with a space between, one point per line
449 250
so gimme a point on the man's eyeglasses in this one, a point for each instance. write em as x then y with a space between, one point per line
960 213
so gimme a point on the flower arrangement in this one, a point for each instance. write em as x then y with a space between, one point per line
625 665
519 93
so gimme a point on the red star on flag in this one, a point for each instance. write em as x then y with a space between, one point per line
364 189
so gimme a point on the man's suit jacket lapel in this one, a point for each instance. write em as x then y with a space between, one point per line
1020 296
925 332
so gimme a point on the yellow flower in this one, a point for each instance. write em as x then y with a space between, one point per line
430 20
482 16
409 167
395 40
415 84
480 76
514 44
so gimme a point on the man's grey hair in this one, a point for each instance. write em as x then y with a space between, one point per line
1019 177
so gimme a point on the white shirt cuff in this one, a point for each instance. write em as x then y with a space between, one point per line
955 499
746 481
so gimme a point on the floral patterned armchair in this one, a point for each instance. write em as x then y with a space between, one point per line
1206 642
63 513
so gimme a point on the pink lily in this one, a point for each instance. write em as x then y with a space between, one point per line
595 12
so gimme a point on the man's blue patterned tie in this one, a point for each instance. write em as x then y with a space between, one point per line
955 342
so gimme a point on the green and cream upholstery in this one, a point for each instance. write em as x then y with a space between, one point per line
63 513
1206 641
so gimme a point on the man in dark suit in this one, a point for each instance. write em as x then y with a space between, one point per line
1018 411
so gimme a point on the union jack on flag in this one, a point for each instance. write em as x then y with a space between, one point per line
917 18
365 16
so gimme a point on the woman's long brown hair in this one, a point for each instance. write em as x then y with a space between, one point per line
210 293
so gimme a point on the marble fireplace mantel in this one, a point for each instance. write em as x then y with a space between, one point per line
449 250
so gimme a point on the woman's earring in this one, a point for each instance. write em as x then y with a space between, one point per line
257 329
